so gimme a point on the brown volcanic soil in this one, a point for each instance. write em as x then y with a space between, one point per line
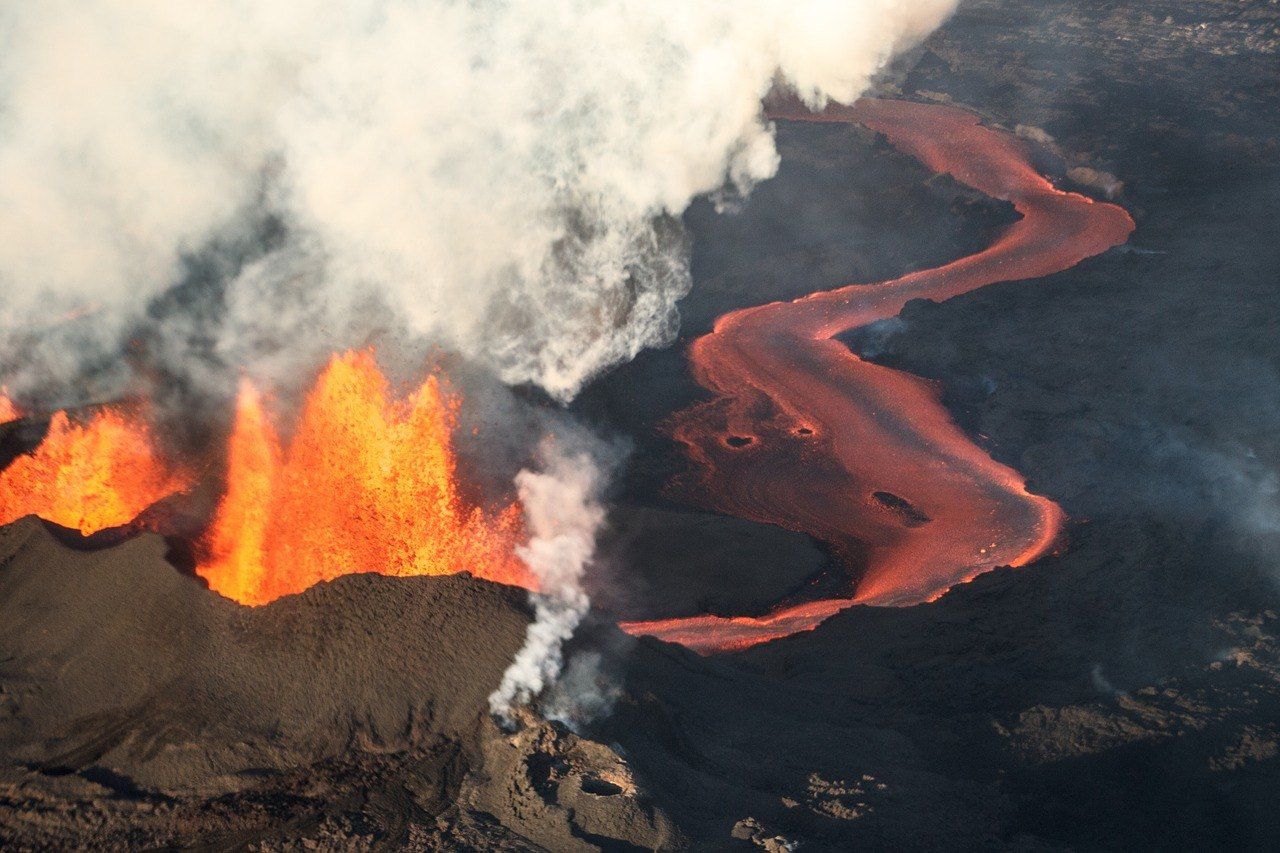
138 708
120 662
1122 695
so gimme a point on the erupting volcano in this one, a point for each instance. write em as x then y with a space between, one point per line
381 512
87 476
368 483
804 434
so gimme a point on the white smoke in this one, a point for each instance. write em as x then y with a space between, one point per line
583 692
563 514
505 177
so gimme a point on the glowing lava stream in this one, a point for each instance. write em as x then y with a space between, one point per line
803 434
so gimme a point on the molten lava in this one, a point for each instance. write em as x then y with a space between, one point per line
89 476
367 484
859 455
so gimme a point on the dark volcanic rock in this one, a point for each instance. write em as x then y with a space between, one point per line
656 562
137 708
116 662
562 792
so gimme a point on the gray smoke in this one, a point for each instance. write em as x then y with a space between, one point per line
504 178
1245 490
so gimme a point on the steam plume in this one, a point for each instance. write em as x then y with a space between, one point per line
563 511
505 177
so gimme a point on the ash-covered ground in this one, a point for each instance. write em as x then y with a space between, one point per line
1123 694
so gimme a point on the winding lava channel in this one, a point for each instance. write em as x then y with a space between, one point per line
803 434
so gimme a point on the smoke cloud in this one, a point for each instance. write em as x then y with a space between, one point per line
503 178
563 513
1234 484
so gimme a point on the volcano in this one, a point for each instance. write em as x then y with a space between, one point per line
976 553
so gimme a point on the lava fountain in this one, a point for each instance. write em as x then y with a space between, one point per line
88 476
803 434
367 483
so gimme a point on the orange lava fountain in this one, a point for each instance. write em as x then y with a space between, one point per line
367 484
803 434
89 476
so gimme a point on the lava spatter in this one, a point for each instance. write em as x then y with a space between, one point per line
91 475
368 483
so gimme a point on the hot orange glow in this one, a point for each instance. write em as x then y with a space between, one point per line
8 411
871 461
89 476
367 484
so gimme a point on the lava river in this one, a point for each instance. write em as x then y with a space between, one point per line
804 434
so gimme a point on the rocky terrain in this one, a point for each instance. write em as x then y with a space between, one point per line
1121 694
138 709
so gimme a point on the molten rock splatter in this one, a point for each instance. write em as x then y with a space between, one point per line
89 476
367 484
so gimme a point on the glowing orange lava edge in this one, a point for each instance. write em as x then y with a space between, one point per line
803 434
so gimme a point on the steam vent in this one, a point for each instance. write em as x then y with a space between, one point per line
612 426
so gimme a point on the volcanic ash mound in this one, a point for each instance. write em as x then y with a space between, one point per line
116 665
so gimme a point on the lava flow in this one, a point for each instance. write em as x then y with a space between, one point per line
87 476
367 484
803 434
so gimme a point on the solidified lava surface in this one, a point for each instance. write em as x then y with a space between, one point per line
804 434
